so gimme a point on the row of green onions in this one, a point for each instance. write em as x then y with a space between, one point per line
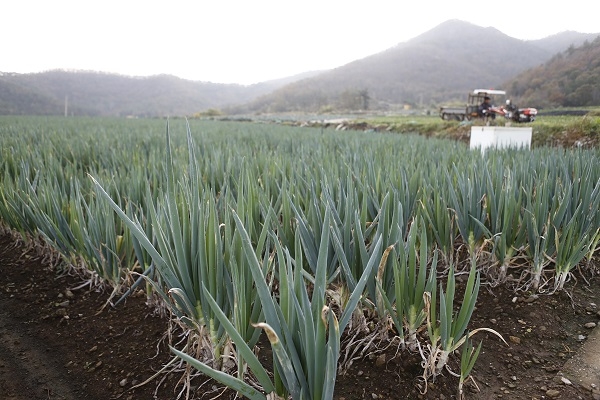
243 229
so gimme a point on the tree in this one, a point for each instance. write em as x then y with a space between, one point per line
353 99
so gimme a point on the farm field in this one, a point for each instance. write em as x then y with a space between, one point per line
569 127
549 130
370 256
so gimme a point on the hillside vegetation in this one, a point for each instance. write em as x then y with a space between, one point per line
571 78
102 94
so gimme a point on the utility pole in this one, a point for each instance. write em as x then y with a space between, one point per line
66 105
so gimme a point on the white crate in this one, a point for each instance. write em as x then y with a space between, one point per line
483 137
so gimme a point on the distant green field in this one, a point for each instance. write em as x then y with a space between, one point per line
548 130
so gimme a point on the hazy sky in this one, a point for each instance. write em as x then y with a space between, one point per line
239 41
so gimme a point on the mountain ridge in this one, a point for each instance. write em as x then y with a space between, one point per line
439 65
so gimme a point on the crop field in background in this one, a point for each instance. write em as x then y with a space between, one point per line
321 243
548 129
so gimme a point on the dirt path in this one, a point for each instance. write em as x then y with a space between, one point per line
584 367
28 371
54 345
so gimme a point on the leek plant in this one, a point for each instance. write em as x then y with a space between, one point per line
452 326
109 249
441 222
247 309
15 207
350 250
40 211
356 253
504 229
446 327
537 217
594 246
468 358
353 241
467 201
80 230
576 234
310 230
303 331
143 258
286 221
188 255
407 191
345 228
413 277
390 226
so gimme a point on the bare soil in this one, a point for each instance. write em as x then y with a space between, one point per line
55 343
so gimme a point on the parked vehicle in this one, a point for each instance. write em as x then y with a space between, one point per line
474 100
514 113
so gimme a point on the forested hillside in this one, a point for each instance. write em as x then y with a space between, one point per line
570 78
103 94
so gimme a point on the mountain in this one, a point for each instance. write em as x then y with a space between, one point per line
19 100
440 65
569 78
103 94
561 41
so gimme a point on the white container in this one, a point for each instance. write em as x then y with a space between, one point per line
483 137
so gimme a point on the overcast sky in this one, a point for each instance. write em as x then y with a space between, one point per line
237 41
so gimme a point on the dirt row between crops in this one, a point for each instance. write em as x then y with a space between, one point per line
55 344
